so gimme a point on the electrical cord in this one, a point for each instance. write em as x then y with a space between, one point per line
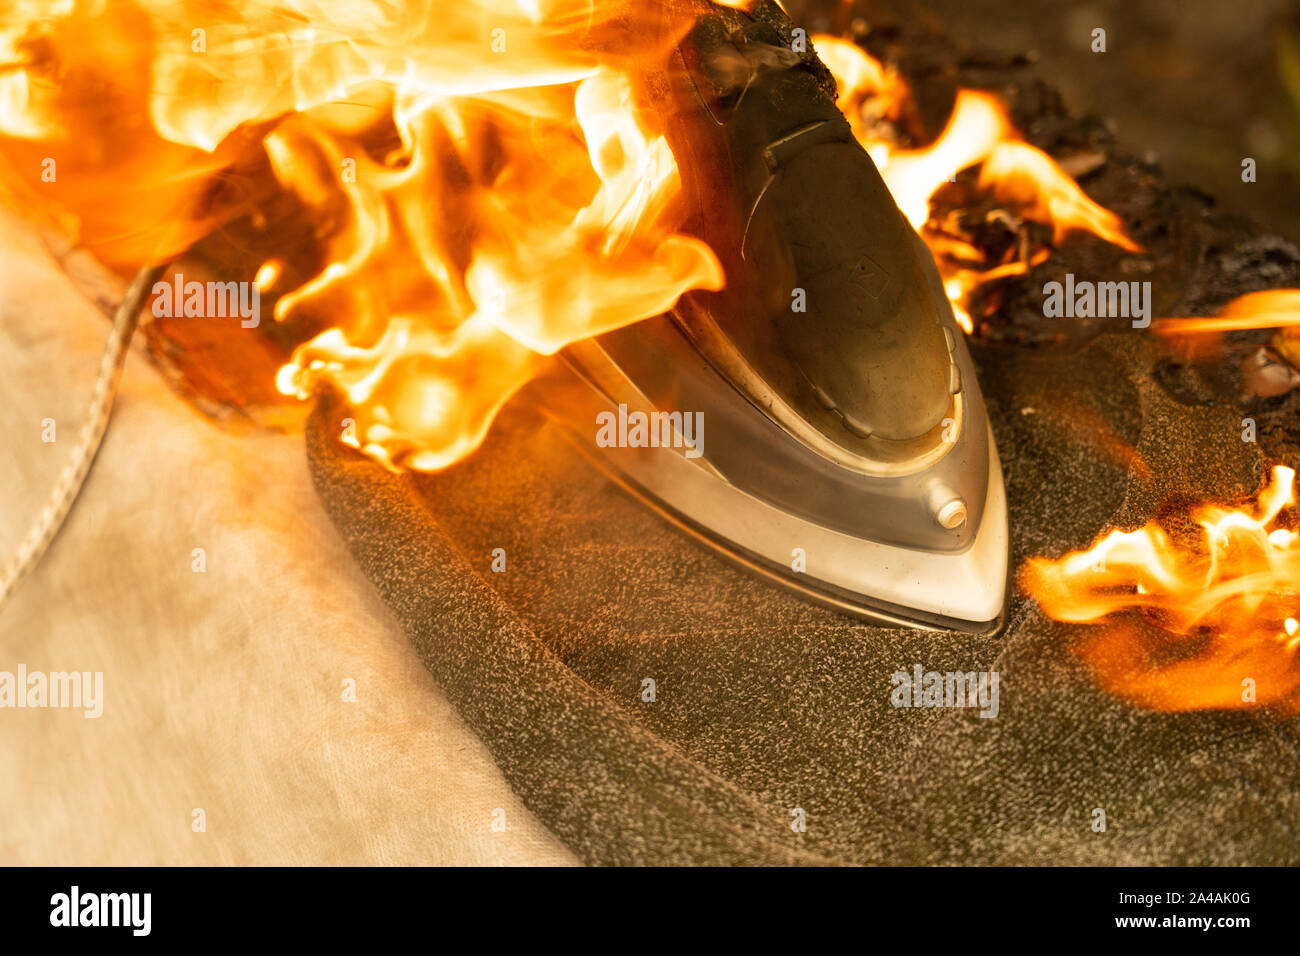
73 477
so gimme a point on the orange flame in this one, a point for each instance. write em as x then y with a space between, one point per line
1275 308
867 90
979 133
1026 176
1226 602
565 249
485 186
743 4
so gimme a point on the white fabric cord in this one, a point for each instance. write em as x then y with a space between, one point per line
73 476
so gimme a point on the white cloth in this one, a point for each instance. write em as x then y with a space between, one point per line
223 690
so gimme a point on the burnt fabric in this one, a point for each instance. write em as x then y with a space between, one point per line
768 710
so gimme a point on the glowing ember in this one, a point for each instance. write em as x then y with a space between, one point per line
979 131
480 176
1225 600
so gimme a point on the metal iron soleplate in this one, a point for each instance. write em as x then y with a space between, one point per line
962 591
959 589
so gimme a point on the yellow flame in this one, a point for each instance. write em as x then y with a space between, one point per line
979 132
482 183
1235 588
1274 308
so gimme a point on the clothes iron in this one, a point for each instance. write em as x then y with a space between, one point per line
844 449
